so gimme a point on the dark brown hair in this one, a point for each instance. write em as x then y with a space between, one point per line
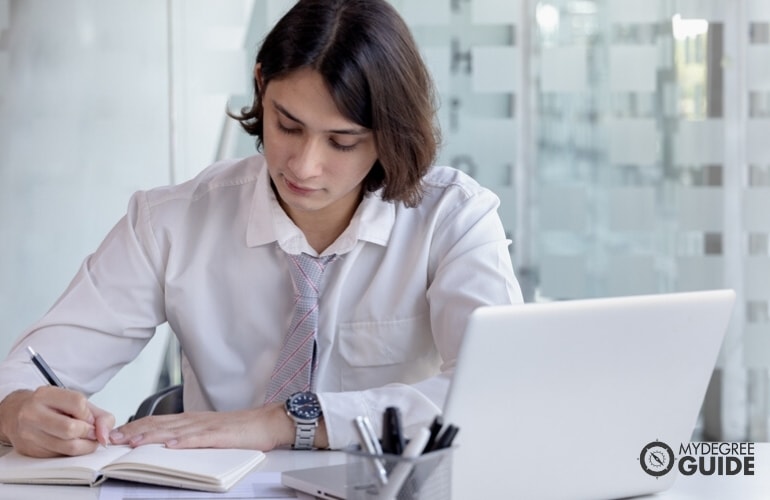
373 70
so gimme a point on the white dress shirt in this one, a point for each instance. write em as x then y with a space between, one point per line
207 256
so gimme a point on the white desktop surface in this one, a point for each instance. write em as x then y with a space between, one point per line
276 461
695 487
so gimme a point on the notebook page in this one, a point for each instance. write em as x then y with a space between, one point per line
15 467
184 467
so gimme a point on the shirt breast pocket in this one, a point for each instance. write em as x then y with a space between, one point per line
377 353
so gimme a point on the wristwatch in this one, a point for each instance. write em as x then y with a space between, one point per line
305 409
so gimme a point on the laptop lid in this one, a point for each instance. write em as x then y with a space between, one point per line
328 481
558 400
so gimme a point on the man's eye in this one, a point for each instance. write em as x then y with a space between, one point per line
342 147
287 130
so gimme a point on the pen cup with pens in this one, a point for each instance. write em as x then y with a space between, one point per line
429 476
395 469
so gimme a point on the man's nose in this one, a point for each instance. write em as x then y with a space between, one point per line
309 159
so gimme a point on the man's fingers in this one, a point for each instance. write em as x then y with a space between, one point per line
153 427
52 421
65 401
65 427
68 416
45 444
73 447
103 424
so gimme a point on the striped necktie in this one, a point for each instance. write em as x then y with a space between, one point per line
297 360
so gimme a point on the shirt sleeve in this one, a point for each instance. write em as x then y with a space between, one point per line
104 318
470 266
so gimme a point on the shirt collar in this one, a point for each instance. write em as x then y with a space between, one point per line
372 222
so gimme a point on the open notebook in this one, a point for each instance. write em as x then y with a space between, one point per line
215 470
558 400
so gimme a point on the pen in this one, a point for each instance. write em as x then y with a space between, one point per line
43 367
404 467
366 432
446 438
435 428
371 445
392 437
52 379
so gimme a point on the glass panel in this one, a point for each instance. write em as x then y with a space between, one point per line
83 124
631 113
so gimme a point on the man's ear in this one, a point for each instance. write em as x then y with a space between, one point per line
258 77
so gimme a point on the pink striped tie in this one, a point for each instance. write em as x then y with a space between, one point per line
297 361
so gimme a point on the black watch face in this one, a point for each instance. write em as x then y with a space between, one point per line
304 405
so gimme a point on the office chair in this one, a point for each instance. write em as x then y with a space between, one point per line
169 399
164 402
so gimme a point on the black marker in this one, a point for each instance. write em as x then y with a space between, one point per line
435 428
446 438
392 436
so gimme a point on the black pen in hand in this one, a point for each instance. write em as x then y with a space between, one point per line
43 367
52 379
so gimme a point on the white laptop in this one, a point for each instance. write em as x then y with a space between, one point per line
558 400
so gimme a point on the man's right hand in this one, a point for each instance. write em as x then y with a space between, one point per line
52 421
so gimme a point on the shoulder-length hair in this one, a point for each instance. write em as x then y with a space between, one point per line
374 72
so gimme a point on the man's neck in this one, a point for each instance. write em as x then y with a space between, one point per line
322 228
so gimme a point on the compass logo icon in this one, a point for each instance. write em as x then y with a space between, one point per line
657 458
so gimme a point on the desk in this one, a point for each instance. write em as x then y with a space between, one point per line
276 461
696 487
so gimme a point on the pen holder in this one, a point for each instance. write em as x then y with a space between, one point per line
426 477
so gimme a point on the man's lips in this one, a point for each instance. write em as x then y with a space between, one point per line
296 188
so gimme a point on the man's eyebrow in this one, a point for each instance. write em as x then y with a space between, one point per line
346 131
